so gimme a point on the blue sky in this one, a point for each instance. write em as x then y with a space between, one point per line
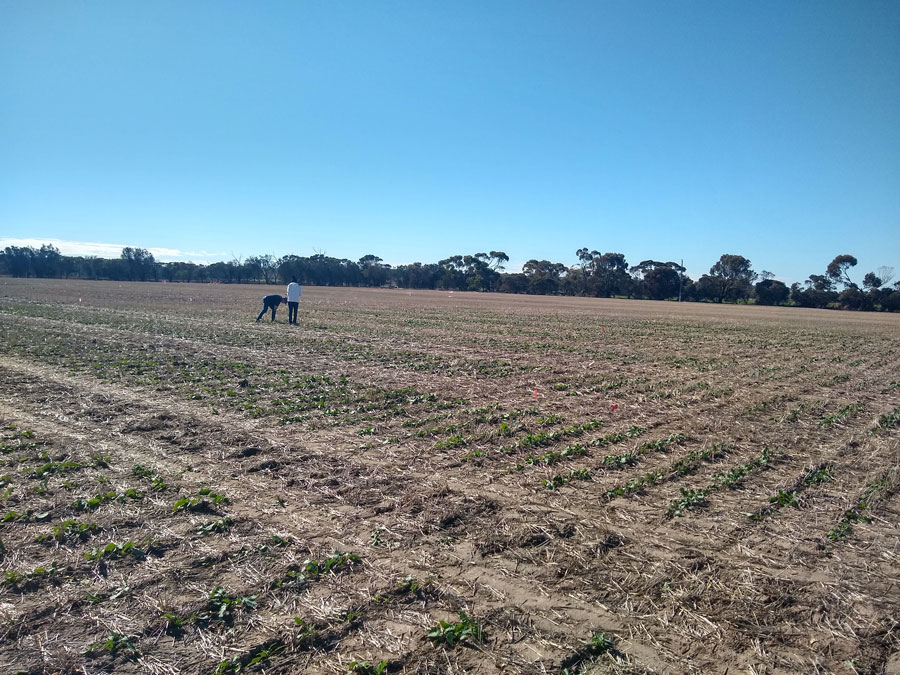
416 130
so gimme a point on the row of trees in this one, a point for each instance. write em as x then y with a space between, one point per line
596 274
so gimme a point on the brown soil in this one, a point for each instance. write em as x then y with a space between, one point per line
722 483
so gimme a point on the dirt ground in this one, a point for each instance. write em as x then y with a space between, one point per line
434 482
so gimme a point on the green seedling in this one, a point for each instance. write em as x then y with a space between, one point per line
552 456
115 644
306 630
549 420
662 443
635 485
820 474
828 421
114 550
205 497
889 420
93 502
246 662
550 438
599 644
785 498
791 496
620 461
174 624
878 489
51 468
450 634
695 458
844 527
313 569
366 668
29 581
10 516
70 530
278 540
351 615
734 477
292 577
156 481
13 578
689 499
618 436
216 526
223 605
558 480
457 441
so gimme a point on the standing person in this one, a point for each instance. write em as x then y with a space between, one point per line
270 302
293 300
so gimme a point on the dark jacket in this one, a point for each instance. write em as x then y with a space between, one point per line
272 300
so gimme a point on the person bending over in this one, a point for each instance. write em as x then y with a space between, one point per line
271 302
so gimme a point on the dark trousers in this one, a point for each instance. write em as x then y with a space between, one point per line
292 312
265 307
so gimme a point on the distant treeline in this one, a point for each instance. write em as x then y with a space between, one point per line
730 279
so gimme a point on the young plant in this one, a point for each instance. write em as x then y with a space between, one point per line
156 481
689 499
366 668
560 480
93 502
313 569
450 634
828 421
889 420
70 530
205 497
246 662
219 526
880 488
115 644
223 605
114 550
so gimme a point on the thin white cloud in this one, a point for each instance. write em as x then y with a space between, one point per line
105 250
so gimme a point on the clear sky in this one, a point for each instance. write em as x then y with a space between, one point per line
420 129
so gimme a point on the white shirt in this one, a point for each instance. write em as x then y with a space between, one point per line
293 292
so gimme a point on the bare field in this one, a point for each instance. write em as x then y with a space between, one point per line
428 482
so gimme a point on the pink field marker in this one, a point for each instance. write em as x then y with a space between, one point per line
535 393
613 409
